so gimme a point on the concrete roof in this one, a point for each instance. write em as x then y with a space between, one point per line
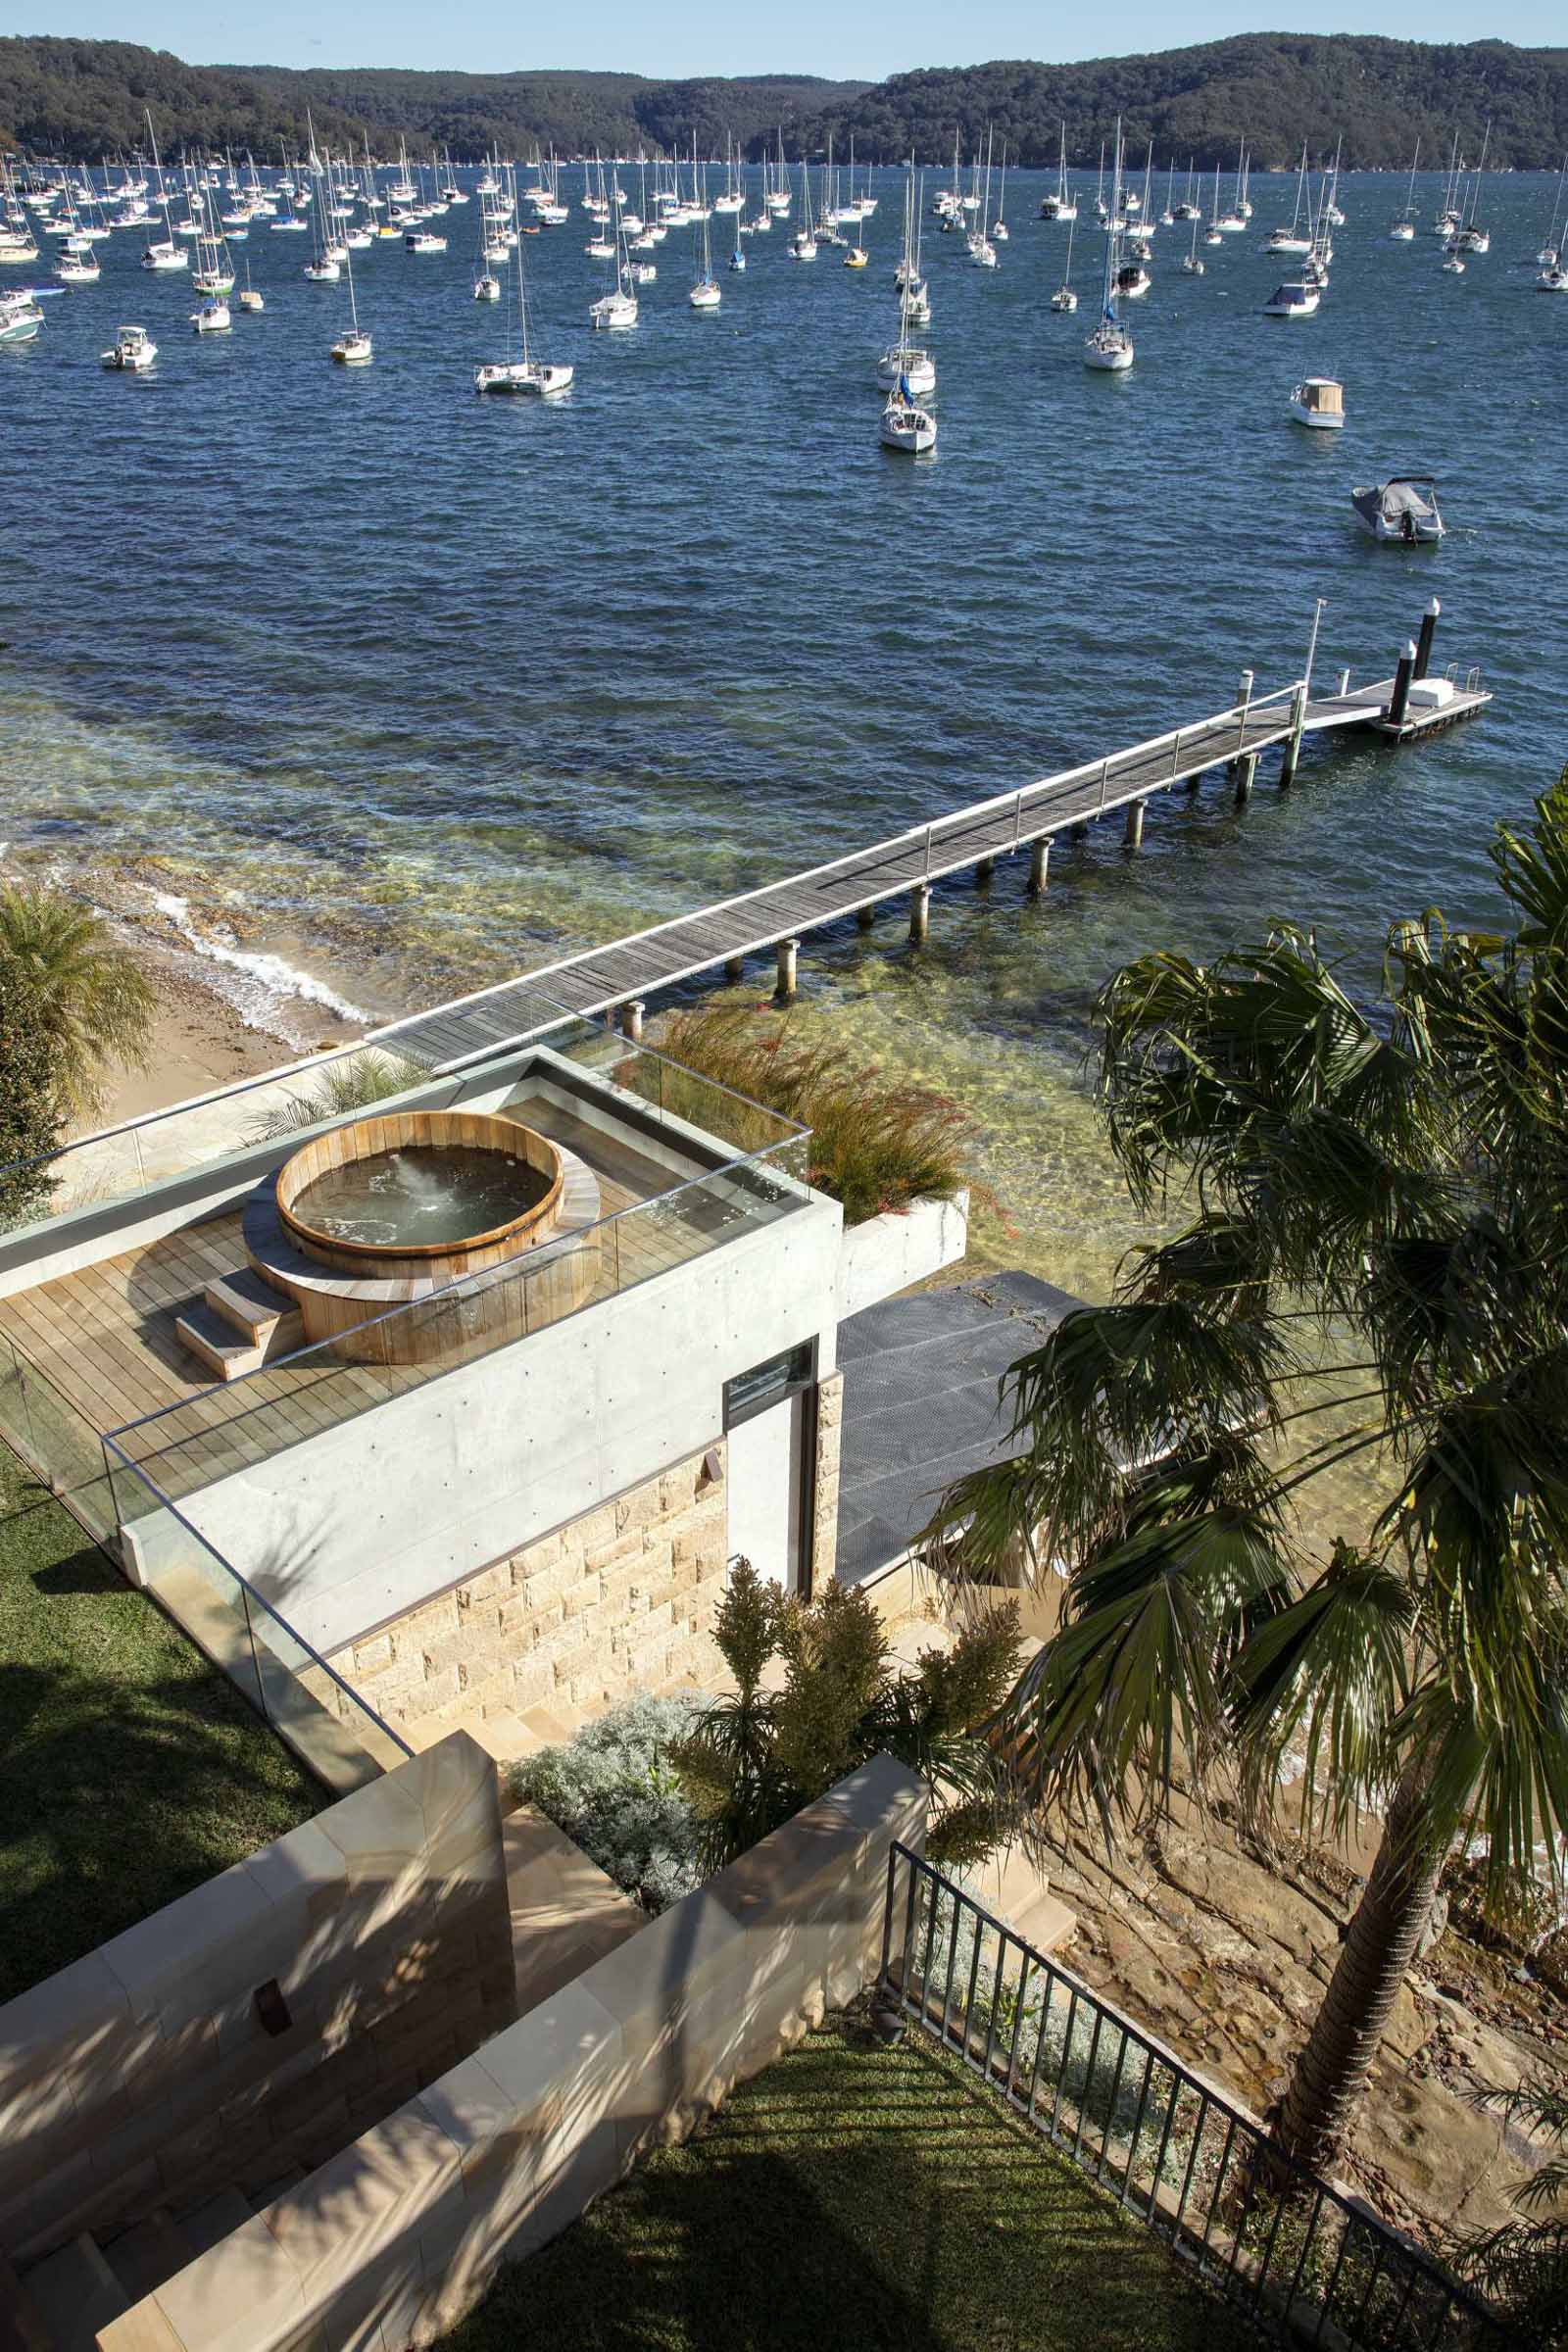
921 1407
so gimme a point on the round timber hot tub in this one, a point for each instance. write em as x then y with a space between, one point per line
471 1222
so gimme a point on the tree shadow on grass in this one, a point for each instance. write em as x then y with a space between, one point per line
853 2197
130 1769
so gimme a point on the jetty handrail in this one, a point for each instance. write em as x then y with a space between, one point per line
1026 794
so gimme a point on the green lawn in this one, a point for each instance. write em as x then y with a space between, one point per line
859 2197
130 1770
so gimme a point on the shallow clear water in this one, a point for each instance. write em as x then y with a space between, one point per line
424 688
424 1195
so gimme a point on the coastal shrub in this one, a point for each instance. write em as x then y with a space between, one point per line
615 1793
751 1761
342 1086
90 998
875 1145
30 1105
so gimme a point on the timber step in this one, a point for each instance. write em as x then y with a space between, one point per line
239 1322
262 1314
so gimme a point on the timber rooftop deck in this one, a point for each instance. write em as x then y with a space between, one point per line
474 1027
105 1334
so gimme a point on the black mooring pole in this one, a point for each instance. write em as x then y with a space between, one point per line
1422 650
1401 685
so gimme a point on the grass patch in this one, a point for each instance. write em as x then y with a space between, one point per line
130 1770
859 2197
874 1145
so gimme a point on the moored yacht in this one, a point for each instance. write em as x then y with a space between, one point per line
1293 299
1318 401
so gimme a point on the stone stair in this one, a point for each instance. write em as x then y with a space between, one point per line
238 1323
78 2288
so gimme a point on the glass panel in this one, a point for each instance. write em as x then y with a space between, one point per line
326 1723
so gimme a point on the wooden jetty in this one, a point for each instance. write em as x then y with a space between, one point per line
779 915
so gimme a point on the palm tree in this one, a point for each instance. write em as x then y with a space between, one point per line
94 1000
1373 1267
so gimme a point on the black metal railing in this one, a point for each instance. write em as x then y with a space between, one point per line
1308 2264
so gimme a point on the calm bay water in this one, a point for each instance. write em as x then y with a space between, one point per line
419 689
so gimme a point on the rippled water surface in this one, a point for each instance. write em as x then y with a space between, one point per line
432 688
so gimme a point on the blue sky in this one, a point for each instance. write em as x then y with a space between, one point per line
702 36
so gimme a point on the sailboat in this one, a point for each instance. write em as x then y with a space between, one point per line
354 348
1189 260
1211 234
803 245
1291 240
617 309
904 363
1472 238
161 253
737 258
248 298
1401 231
704 294
1000 231
542 378
905 425
1110 347
1550 252
1057 203
1065 299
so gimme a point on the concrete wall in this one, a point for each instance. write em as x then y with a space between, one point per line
142 2076
887 1253
617 1601
352 1528
387 2245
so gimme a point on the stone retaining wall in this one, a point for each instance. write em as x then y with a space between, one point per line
146 2075
389 2244
617 1601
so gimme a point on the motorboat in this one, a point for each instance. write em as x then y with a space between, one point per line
1133 282
1403 511
1553 280
1318 401
421 240
164 253
1293 299
907 426
19 316
131 353
211 318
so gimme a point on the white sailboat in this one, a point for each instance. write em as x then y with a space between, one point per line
1401 231
803 245
1065 299
161 253
704 294
1000 231
1058 203
355 348
1109 348
248 298
905 425
904 364
1189 260
542 380
618 309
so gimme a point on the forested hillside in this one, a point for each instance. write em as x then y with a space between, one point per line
85 99
1273 90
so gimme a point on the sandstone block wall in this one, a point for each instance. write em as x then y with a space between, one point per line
826 1492
386 2247
143 2077
617 1601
